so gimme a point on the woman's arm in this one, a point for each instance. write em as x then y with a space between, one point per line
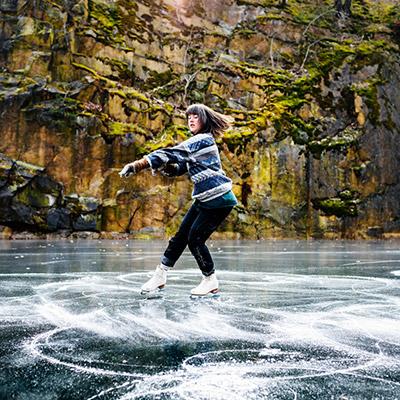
134 167
175 169
158 159
170 162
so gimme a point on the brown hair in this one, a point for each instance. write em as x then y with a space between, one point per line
211 121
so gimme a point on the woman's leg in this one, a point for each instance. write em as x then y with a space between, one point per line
204 225
178 243
174 250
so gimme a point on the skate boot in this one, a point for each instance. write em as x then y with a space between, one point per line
209 284
156 282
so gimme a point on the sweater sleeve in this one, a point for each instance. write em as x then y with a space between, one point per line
179 154
182 169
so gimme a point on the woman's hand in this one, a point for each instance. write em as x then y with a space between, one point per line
133 168
128 170
170 170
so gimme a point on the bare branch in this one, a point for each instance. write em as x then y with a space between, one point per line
316 18
271 53
308 50
189 79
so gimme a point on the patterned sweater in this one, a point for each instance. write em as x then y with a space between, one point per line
199 157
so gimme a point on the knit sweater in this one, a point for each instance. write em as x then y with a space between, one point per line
199 157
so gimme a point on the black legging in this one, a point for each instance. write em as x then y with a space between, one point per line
196 227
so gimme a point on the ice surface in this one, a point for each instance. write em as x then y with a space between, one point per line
295 320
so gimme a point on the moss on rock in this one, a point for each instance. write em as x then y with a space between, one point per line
368 90
336 206
346 138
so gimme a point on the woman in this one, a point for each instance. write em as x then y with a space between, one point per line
213 197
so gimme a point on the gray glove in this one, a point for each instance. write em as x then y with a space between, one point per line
127 171
134 167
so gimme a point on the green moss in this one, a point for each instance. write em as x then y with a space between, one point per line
120 128
159 79
348 194
367 48
129 93
107 15
134 94
170 136
381 12
377 28
245 32
31 168
282 114
95 74
143 236
333 55
237 138
336 206
299 130
343 205
371 100
218 99
307 83
40 222
270 16
93 116
274 75
209 53
347 138
292 103
118 92
368 90
119 67
305 12
112 21
249 2
108 20
60 112
152 109
33 198
286 94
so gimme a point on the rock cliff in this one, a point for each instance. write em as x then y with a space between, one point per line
86 86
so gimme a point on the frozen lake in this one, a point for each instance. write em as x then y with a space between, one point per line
295 320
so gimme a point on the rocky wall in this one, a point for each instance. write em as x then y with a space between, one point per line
86 86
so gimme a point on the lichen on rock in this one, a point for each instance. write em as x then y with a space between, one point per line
88 85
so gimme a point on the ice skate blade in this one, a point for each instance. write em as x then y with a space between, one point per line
154 294
214 294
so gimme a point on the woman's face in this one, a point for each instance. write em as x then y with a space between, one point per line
194 123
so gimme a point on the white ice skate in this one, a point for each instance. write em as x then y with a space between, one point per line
208 285
156 282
